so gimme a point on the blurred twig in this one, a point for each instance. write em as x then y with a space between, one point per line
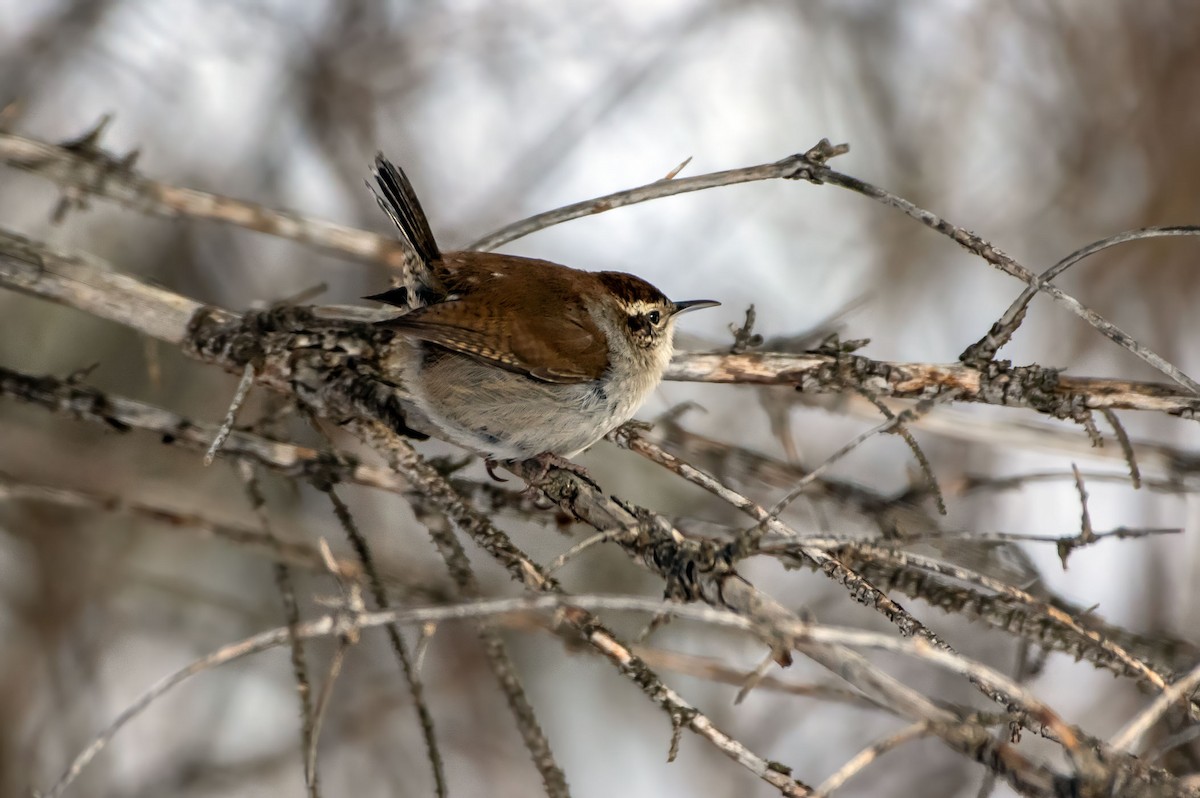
91 171
1033 777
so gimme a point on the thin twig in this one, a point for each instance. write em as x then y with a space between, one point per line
428 630
755 678
351 603
798 633
1128 736
411 672
1135 474
1162 747
863 590
715 670
769 544
89 170
671 175
817 172
291 613
583 545
918 453
323 697
402 458
503 668
650 191
907 558
865 757
234 651
1086 533
239 397
811 477
1002 331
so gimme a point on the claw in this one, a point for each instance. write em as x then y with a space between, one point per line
548 460
490 466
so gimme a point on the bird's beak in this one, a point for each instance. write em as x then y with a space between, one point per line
694 304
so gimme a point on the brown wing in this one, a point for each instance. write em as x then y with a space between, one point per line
545 333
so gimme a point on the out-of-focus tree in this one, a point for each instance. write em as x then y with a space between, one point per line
1041 128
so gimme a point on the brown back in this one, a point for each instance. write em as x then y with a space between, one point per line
522 314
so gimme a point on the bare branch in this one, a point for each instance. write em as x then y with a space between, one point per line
798 633
1135 665
239 398
1140 724
1002 331
402 458
89 170
291 613
87 284
1018 618
1033 387
83 167
666 187
869 754
816 171
819 558
331 363
411 672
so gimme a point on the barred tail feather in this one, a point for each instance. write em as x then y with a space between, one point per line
418 285
399 201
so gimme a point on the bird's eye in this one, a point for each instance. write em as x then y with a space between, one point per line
654 316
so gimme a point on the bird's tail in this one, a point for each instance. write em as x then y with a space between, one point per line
418 286
400 203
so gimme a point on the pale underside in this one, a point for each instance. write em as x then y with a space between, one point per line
506 415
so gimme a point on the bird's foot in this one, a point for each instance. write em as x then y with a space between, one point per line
548 460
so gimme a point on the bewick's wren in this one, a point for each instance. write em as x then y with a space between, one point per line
514 357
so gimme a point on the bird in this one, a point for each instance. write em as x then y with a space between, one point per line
517 358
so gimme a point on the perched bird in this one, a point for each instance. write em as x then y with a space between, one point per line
517 358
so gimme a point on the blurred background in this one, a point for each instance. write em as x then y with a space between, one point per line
1041 127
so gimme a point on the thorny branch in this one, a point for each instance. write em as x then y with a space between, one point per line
329 365
1040 631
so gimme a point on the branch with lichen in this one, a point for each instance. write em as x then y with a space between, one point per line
330 363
